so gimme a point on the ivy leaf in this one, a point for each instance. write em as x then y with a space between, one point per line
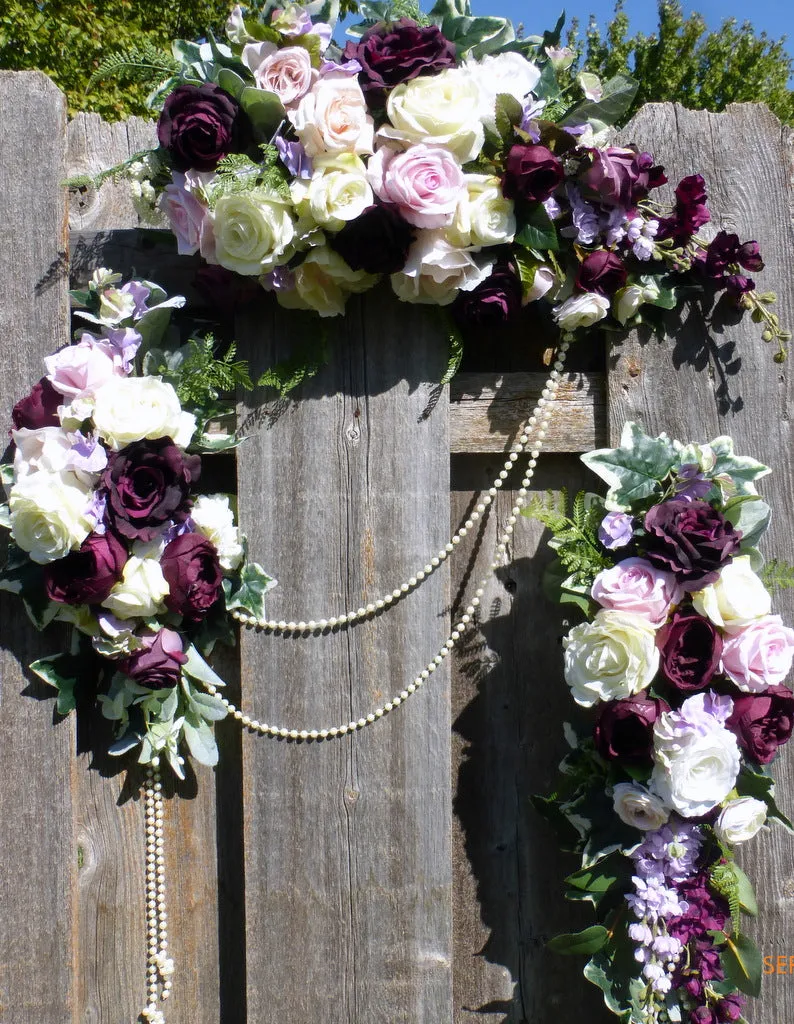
589 940
473 37
538 231
63 672
633 470
248 590
742 469
742 963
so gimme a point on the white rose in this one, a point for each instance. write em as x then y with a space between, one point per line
436 271
581 311
48 514
323 282
252 233
46 448
133 408
333 118
483 216
638 807
337 192
737 598
543 281
627 301
696 764
213 517
740 819
613 656
140 591
440 110
509 73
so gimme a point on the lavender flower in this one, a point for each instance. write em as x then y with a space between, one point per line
586 223
616 530
294 157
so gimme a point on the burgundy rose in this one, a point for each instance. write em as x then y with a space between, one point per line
193 574
690 539
158 665
690 651
624 728
88 575
200 125
148 485
531 173
39 408
601 272
377 241
620 177
690 212
395 52
762 722
494 301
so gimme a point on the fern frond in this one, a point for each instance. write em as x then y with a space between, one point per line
308 359
238 173
778 575
144 62
574 535
723 881
203 377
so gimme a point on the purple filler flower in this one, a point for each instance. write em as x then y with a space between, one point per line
616 530
294 158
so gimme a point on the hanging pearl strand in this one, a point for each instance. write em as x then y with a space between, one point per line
543 411
159 967
284 628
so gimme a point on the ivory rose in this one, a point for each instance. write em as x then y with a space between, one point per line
140 592
736 598
638 807
130 409
436 271
252 233
612 657
483 216
333 118
323 282
509 73
425 183
49 515
338 191
740 820
213 517
581 311
287 72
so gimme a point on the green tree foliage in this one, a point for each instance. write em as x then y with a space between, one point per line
682 61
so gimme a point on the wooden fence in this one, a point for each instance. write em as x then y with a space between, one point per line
399 875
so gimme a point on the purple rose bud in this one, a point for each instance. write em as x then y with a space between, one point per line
158 665
193 574
730 1008
602 272
690 649
88 575
531 173
624 729
703 1015
738 284
495 301
616 530
690 539
39 408
377 241
762 722
200 125
750 257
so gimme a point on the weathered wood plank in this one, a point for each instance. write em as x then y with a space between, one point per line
714 377
343 495
39 857
487 411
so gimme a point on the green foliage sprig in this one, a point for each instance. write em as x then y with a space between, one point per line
574 534
778 575
143 63
203 377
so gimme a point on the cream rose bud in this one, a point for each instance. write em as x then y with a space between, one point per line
140 592
287 72
130 409
425 183
638 587
337 192
612 657
740 819
49 515
737 598
323 282
758 655
440 110
253 233
543 281
436 271
333 118
627 301
581 311
509 73
212 516
483 216
638 807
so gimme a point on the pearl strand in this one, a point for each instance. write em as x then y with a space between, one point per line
291 629
468 617
159 967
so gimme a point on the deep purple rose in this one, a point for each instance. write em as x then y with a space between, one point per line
690 649
690 212
200 125
395 52
377 241
623 730
158 665
531 173
601 272
148 485
193 574
762 722
495 301
88 575
620 177
690 539
39 408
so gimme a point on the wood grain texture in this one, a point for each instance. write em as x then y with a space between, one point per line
714 377
39 857
487 411
344 493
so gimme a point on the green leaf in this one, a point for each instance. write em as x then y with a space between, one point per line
509 113
633 470
762 787
231 82
751 516
590 940
742 963
747 898
185 52
63 672
600 972
617 96
472 36
248 590
5 516
548 87
265 111
201 742
197 668
597 878
7 474
538 231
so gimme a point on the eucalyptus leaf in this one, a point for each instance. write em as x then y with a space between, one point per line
751 517
589 940
265 111
201 742
169 705
634 469
197 668
742 963
124 744
63 672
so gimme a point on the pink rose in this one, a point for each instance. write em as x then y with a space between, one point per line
758 655
425 183
287 72
636 586
82 368
186 214
333 118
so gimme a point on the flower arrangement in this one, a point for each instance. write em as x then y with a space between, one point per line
108 531
448 155
685 665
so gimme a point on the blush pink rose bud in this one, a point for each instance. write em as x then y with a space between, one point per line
759 655
636 586
425 183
